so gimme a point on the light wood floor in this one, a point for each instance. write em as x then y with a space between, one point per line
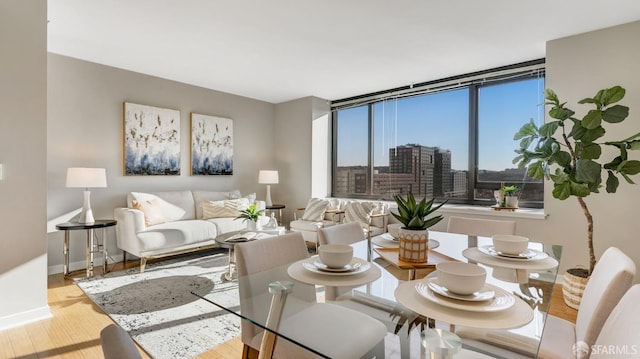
74 329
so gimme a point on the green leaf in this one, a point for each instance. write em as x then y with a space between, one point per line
616 94
631 167
587 171
591 151
559 177
579 189
634 145
587 100
615 114
613 165
593 134
536 170
562 191
549 128
526 142
612 182
551 96
577 131
528 129
560 113
592 119
562 158
627 178
601 97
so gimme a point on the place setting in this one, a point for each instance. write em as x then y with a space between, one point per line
334 265
457 293
510 251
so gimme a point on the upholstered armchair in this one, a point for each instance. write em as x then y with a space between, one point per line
372 216
318 213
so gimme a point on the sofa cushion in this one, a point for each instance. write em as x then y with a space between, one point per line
314 210
358 212
172 206
175 234
226 208
152 211
200 196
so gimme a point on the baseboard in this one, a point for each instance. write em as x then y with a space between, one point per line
29 316
80 265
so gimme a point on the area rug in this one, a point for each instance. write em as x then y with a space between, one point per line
158 309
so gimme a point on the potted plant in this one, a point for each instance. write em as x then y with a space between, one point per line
576 158
251 215
510 198
414 235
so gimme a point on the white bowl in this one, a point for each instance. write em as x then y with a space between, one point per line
335 255
510 244
394 229
461 278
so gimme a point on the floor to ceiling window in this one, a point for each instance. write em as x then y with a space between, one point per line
445 139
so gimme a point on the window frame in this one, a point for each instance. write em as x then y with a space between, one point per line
474 82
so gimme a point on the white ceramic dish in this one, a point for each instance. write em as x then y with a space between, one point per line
461 277
348 268
335 255
485 293
359 264
509 243
502 300
529 255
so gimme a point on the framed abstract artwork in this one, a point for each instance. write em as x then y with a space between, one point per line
211 145
151 140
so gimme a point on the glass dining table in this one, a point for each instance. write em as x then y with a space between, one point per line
505 319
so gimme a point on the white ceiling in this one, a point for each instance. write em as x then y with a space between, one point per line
280 50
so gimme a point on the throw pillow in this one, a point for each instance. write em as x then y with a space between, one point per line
152 211
358 212
314 211
168 210
224 209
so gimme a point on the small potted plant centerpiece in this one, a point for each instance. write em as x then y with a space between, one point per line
251 215
414 234
510 198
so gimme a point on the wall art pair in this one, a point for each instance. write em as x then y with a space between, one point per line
152 142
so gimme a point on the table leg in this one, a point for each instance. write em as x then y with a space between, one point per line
65 252
89 253
104 250
229 275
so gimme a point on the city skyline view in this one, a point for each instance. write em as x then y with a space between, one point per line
442 120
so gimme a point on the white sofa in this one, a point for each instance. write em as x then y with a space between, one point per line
168 223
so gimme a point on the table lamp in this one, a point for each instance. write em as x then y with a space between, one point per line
268 177
82 177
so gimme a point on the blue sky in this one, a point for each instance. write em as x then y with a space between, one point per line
442 120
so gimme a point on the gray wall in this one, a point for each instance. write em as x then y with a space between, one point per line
23 145
85 129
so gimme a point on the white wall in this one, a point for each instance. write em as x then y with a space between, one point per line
85 128
577 67
23 145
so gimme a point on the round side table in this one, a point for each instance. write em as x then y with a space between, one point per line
93 245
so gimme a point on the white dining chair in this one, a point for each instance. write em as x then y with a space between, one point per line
480 227
117 344
611 278
346 233
324 326
621 331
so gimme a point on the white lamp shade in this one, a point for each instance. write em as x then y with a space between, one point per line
86 177
268 177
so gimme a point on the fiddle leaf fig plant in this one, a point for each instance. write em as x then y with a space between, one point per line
567 150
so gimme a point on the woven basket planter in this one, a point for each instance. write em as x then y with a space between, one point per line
413 245
572 289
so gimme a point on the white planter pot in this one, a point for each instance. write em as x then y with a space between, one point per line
251 225
413 245
512 201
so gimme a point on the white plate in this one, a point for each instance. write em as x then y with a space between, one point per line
501 301
529 255
485 293
359 264
323 267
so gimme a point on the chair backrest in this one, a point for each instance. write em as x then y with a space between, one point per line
346 233
480 227
117 344
621 331
266 260
610 280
